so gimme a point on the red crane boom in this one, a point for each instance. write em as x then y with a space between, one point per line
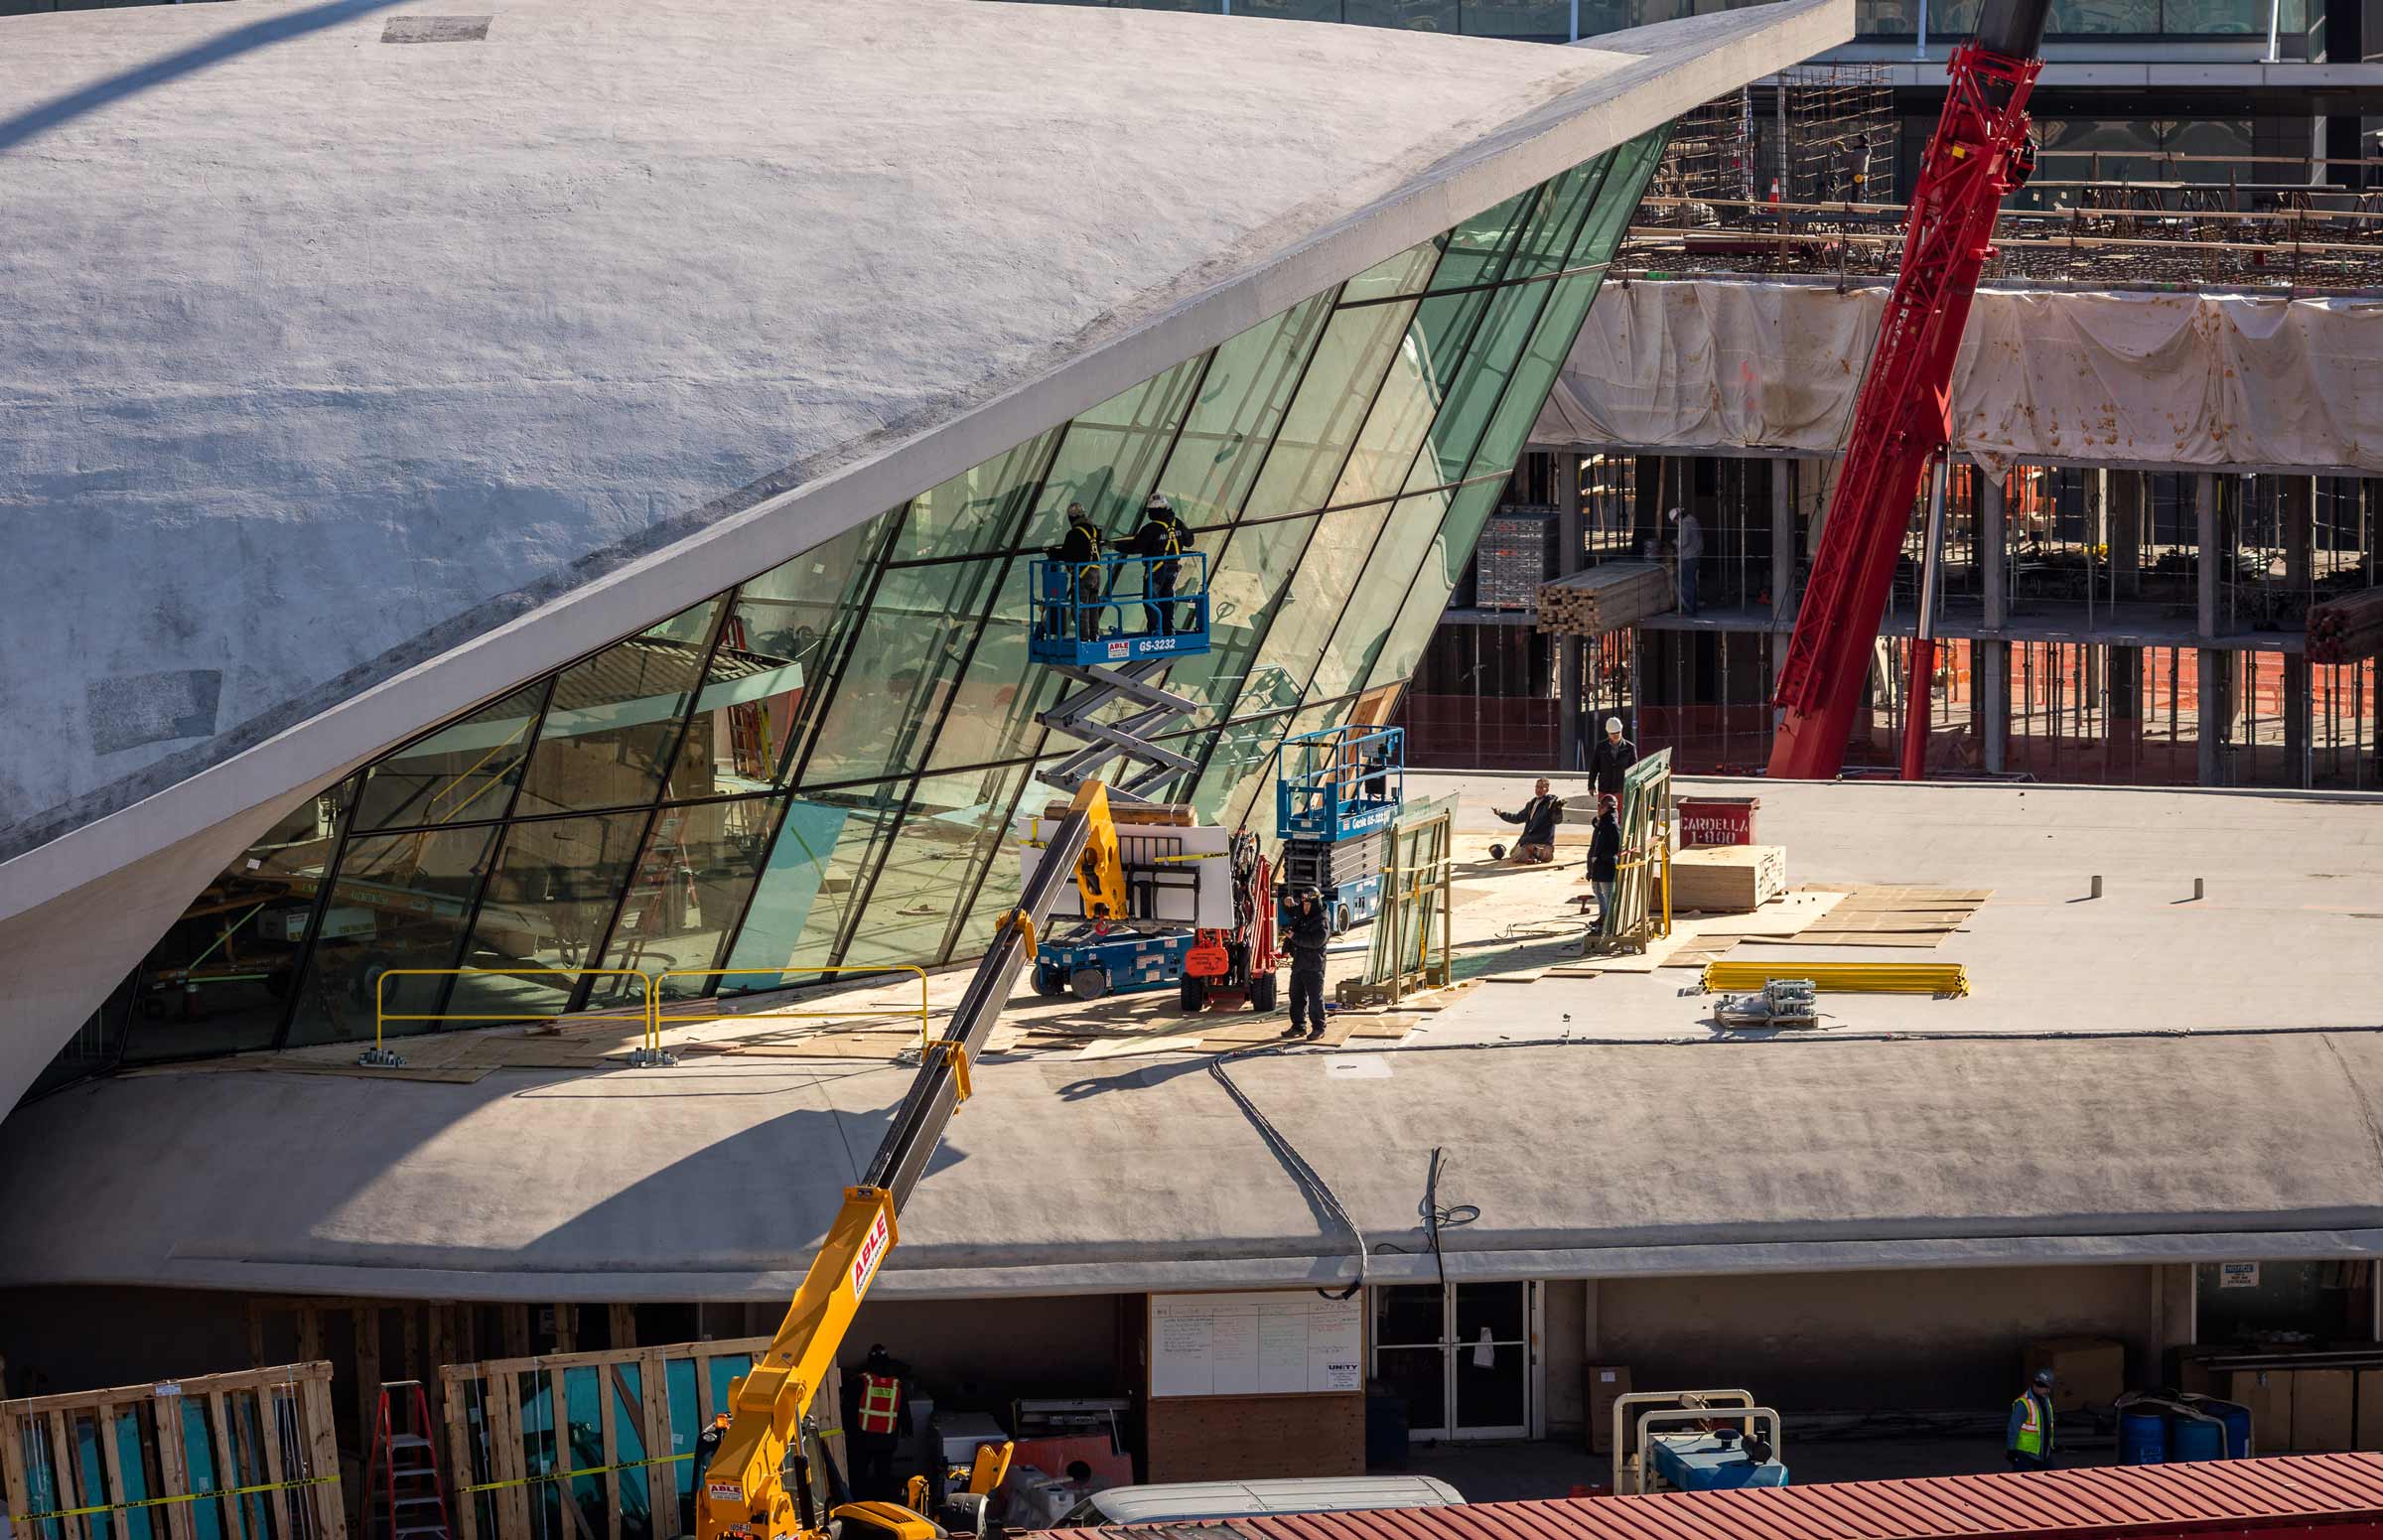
1902 416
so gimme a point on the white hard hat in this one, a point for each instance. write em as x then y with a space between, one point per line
1612 724
1673 515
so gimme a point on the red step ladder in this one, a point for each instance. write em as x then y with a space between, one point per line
402 1500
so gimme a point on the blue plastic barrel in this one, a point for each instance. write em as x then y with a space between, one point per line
2195 1438
2143 1436
2237 1419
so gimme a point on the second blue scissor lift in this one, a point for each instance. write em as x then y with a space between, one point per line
1335 792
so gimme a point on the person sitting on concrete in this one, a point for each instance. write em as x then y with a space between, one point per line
1611 761
1538 819
1605 862
2028 1437
1308 936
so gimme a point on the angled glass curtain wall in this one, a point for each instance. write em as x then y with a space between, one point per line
825 765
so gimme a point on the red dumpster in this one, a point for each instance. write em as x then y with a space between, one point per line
1717 820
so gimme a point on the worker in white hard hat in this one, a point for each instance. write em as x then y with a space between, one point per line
1611 760
2028 1437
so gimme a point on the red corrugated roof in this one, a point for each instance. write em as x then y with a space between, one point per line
2293 1491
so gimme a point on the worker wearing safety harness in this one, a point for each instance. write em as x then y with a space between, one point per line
2027 1443
881 1420
1081 546
1162 535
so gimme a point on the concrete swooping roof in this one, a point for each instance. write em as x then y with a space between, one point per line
349 381
1071 1176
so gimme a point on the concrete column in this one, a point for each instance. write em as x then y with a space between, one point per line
2128 494
1992 659
1569 560
1782 538
2300 493
2209 668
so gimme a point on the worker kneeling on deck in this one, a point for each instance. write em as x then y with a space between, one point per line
2027 1442
881 1423
1538 820
1311 933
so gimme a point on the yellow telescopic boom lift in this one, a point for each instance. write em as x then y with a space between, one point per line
757 1485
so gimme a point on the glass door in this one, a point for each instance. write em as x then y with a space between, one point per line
1461 1356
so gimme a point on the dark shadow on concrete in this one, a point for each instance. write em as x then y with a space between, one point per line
189 60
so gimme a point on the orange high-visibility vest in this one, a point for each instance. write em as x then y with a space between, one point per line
881 1401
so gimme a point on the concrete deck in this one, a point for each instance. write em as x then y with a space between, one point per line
2201 1081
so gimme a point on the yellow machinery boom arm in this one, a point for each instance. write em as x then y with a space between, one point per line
745 1492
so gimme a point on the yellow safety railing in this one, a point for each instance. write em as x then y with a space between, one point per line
383 1014
1860 978
657 1020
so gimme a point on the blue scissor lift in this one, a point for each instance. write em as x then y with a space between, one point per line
1112 626
1337 791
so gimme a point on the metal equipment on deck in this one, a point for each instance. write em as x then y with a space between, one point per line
1694 1440
1114 626
1335 792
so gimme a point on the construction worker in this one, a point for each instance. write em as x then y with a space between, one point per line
1605 862
1688 547
1161 539
1611 761
1080 546
1308 935
880 1423
1538 820
2028 1440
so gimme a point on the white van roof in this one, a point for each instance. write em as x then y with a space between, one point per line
1157 1504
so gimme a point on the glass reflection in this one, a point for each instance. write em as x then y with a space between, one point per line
613 724
398 901
554 890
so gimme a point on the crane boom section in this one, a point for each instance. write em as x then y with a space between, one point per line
1903 414
744 1491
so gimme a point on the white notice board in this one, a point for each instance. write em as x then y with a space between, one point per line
1292 1342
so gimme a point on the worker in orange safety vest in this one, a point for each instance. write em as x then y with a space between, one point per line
880 1425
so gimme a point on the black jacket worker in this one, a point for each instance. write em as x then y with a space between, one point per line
1162 535
1081 546
1612 760
1538 819
1309 933
877 1424
1605 862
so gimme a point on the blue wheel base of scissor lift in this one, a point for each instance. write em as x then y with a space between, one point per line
1340 782
1119 625
1126 960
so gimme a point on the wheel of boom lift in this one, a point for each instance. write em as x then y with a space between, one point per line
1194 995
1341 919
1047 984
1262 993
1089 983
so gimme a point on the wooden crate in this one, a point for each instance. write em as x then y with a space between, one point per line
619 1453
249 1456
1727 879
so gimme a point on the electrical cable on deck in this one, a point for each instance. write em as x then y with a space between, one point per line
1290 1155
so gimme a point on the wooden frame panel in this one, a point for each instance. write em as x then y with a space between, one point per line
304 1387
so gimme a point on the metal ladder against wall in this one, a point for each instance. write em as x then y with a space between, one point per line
1082 636
402 1496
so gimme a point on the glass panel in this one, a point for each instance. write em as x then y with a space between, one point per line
1427 360
990 879
1544 21
1240 403
1500 1306
199 1466
1292 10
1378 598
1477 247
2071 18
904 672
1356 354
541 1451
1408 1313
947 834
1534 374
1318 595
1110 456
1456 429
1416 1375
94 1472
1243 594
583 1405
826 847
1556 223
464 770
977 510
615 720
1495 1394
217 981
399 900
629 1448
1416 15
777 649
691 887
1402 274
139 1521
553 891
686 1426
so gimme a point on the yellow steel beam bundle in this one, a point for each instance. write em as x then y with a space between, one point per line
1847 978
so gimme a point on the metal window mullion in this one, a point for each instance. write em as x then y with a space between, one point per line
850 643
585 985
314 917
496 850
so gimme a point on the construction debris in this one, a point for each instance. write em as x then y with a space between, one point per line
2347 629
1605 598
1781 1003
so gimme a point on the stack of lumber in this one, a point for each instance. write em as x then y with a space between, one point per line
1891 916
1605 598
2346 630
1727 879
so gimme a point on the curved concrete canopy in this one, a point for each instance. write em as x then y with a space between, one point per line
352 380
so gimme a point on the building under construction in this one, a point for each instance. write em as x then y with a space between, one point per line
2160 463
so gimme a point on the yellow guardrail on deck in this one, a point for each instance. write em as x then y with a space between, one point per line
1854 978
649 1000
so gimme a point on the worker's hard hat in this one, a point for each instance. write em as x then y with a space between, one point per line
1612 724
1673 515
2044 1379
1075 511
1157 500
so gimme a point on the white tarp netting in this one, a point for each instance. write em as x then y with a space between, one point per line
2184 379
